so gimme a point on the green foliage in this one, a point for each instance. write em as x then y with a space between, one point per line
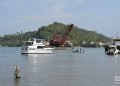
77 36
16 39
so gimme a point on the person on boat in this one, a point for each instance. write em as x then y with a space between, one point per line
80 50
17 72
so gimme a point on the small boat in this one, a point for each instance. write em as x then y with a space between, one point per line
113 48
36 46
77 50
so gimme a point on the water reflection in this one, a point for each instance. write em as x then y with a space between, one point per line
36 55
37 58
117 63
117 58
35 62
17 82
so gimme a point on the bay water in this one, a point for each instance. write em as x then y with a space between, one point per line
61 68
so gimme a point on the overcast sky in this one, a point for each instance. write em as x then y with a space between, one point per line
102 16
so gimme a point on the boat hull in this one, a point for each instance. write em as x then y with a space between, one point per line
37 51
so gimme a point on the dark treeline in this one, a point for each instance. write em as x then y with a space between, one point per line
77 36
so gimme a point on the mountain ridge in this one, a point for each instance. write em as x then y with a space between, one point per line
77 36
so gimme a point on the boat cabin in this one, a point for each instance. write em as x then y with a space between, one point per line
35 46
116 42
113 48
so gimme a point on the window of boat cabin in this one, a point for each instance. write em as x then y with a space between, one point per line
29 43
39 41
39 47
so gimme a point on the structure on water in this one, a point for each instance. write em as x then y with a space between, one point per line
17 72
113 48
59 41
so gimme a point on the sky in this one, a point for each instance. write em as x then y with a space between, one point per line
102 16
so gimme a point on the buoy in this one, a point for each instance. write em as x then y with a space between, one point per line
17 72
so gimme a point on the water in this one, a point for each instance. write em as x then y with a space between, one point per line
62 68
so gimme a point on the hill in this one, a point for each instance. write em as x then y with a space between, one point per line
77 36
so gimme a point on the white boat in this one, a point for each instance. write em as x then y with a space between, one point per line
113 48
35 46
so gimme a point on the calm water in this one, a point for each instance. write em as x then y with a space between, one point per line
62 68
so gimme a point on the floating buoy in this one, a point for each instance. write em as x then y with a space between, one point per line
17 72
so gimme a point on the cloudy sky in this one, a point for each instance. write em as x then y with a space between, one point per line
102 16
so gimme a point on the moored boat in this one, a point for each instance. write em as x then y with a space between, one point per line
36 46
113 48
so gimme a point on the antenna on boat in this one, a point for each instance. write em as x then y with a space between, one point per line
117 35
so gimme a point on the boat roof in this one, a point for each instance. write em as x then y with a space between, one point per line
116 39
34 39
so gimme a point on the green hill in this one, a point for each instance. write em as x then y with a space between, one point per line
77 36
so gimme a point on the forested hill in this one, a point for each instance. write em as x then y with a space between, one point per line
77 36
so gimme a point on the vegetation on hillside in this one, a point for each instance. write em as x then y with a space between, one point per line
77 36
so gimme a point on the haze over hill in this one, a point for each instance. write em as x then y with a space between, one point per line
77 36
